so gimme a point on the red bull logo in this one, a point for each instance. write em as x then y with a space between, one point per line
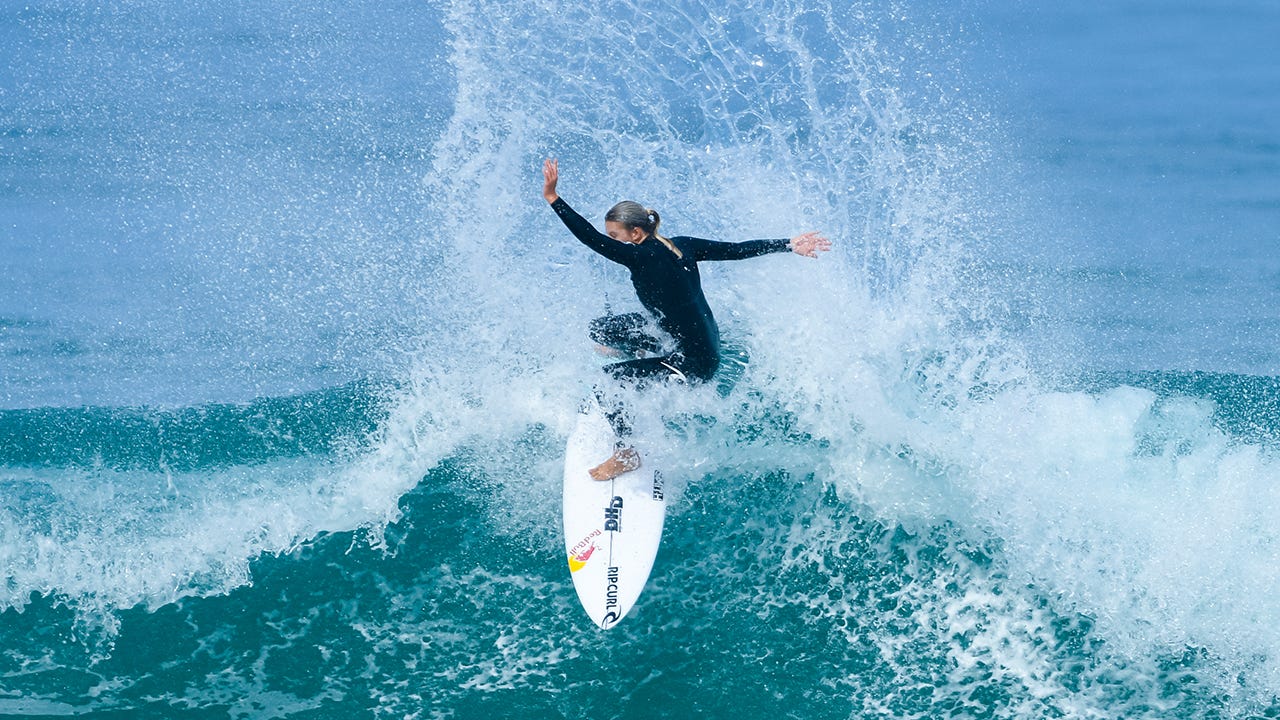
579 561
581 552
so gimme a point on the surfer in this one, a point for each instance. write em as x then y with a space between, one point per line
664 272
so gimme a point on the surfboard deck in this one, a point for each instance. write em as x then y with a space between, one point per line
612 529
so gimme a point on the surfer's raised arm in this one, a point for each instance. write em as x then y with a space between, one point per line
622 253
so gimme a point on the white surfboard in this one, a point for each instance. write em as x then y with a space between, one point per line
612 529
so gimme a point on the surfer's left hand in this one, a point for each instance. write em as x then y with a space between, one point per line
810 244
550 176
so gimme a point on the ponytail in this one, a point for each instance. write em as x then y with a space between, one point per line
657 220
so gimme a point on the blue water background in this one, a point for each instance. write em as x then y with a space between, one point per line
199 200
1148 133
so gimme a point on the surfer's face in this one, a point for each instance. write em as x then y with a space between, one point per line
622 233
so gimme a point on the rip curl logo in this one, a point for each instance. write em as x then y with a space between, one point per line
611 615
613 515
581 552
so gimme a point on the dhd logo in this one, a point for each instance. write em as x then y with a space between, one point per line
613 515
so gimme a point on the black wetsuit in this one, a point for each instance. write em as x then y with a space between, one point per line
670 288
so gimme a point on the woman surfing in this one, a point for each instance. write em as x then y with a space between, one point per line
664 272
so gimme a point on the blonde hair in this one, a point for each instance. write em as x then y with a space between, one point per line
634 215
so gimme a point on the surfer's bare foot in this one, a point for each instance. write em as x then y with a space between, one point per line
623 460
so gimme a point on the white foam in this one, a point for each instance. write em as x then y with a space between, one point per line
114 539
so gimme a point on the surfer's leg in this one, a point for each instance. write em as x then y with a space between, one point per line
628 335
615 412
638 373
635 374
624 458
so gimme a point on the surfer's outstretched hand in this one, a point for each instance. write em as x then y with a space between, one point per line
810 244
550 175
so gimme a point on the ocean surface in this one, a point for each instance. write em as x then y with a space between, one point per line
290 347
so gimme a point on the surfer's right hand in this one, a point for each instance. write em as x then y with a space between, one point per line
550 175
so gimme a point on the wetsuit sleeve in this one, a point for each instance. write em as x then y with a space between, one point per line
592 238
714 250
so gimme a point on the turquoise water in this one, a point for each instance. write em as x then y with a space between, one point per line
290 347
